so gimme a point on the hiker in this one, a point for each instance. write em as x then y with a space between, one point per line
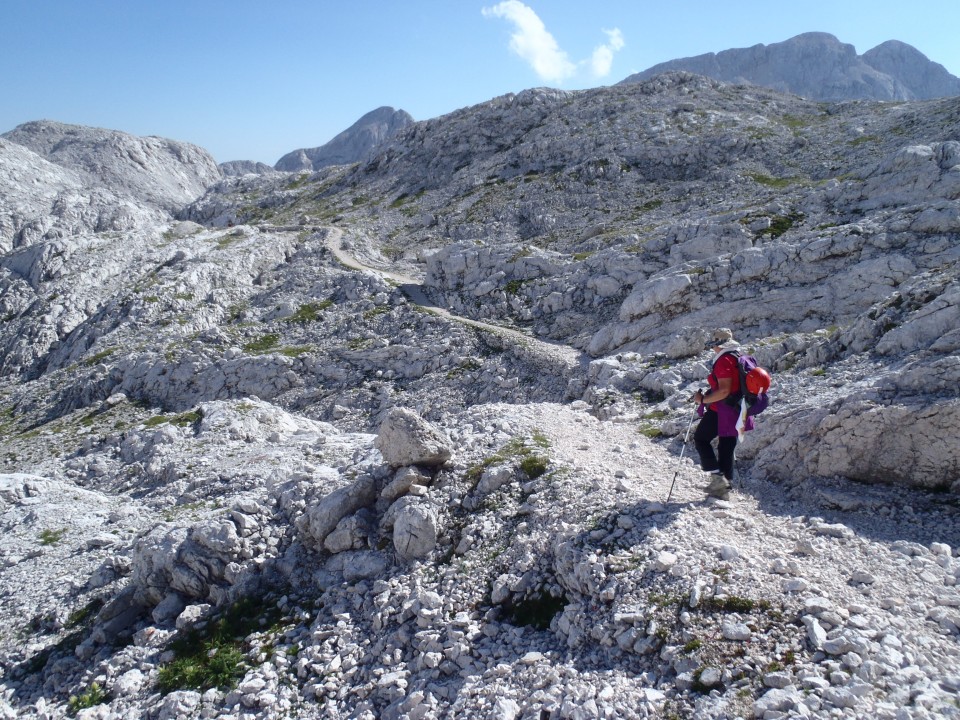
717 418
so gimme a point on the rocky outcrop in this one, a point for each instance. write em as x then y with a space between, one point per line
352 145
151 170
817 65
61 180
235 168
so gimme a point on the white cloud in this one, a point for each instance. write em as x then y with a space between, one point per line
602 59
532 41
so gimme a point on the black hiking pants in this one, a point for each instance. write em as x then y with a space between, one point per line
707 430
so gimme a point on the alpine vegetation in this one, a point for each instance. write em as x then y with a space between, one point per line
394 438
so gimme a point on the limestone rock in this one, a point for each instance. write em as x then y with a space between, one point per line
415 531
405 438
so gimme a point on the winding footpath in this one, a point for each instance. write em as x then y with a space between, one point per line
413 289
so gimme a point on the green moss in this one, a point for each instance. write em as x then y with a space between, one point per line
80 616
863 139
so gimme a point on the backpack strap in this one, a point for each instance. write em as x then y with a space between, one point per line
713 368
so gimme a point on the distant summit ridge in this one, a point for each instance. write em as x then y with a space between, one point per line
350 146
818 66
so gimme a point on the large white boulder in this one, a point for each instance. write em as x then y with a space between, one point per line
407 439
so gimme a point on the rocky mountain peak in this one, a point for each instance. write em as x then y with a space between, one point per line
819 66
353 144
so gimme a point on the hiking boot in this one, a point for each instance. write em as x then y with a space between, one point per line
719 488
713 475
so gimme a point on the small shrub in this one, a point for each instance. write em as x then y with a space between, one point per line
534 466
693 646
513 287
94 695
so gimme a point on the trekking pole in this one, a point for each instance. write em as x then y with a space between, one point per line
685 438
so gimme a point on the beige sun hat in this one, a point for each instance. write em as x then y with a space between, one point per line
723 339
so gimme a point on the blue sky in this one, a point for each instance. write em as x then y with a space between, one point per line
255 79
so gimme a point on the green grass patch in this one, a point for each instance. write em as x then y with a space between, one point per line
102 355
580 256
779 224
795 123
864 139
774 182
52 537
294 351
737 604
376 311
518 452
226 241
534 465
262 345
215 656
298 181
521 253
309 312
181 420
